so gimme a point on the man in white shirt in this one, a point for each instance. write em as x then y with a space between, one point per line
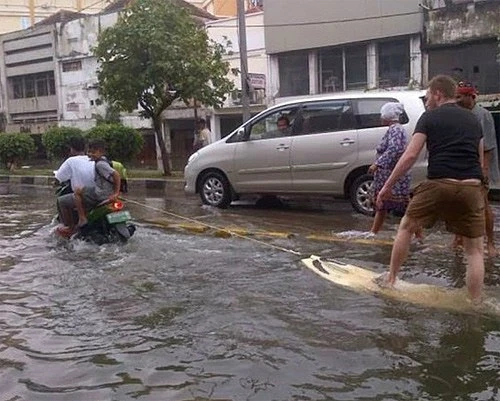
79 169
202 135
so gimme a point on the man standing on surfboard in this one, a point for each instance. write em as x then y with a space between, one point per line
453 189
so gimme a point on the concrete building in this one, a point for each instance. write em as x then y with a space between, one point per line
28 77
225 8
229 116
16 15
79 102
461 40
333 45
48 76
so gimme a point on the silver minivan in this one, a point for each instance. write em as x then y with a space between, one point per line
325 148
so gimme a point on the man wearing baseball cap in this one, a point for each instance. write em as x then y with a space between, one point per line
466 97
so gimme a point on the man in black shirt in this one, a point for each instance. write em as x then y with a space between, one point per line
452 191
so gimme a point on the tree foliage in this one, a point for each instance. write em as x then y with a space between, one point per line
15 148
56 141
123 143
155 54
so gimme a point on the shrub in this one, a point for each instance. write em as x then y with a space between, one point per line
15 148
123 143
56 141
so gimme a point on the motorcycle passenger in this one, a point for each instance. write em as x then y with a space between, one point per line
107 183
79 170
123 175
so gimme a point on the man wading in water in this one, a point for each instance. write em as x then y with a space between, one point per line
453 189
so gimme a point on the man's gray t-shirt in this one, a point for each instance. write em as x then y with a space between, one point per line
104 180
490 141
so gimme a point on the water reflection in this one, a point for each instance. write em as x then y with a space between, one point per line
180 317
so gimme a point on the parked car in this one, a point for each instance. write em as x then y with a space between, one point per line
326 150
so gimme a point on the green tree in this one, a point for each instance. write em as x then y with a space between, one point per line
112 116
56 141
15 148
123 143
155 54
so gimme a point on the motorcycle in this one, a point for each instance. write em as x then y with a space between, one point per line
107 222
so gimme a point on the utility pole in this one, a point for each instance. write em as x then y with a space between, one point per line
242 34
79 5
32 12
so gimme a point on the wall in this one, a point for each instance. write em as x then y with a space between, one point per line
79 99
257 58
27 52
305 24
462 41
462 23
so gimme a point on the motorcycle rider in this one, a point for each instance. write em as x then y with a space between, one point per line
106 186
79 169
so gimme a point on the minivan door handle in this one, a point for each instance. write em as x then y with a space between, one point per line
282 147
347 141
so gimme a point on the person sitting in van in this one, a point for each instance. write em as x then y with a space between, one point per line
107 183
283 128
283 124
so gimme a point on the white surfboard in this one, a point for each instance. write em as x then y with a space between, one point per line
362 280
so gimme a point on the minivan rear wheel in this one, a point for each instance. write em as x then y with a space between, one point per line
215 190
361 194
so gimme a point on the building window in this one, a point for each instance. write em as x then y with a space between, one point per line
342 69
356 75
72 66
32 85
294 74
331 70
394 63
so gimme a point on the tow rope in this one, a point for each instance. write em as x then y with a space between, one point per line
213 227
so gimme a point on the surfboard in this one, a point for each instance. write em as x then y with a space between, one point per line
426 295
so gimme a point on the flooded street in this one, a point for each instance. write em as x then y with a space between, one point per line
179 316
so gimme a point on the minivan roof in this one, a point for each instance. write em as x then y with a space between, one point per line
398 94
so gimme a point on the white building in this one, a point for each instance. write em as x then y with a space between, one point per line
79 102
226 119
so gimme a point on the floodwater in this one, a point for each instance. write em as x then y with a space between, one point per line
173 316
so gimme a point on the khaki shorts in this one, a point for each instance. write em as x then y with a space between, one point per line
460 205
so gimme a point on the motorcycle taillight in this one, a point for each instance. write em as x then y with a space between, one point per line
117 205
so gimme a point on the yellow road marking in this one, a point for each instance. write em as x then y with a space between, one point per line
229 231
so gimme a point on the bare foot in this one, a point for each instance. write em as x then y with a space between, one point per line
64 231
476 302
383 281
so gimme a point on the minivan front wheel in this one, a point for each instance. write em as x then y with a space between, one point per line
215 190
361 194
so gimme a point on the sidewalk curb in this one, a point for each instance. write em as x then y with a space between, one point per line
45 180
